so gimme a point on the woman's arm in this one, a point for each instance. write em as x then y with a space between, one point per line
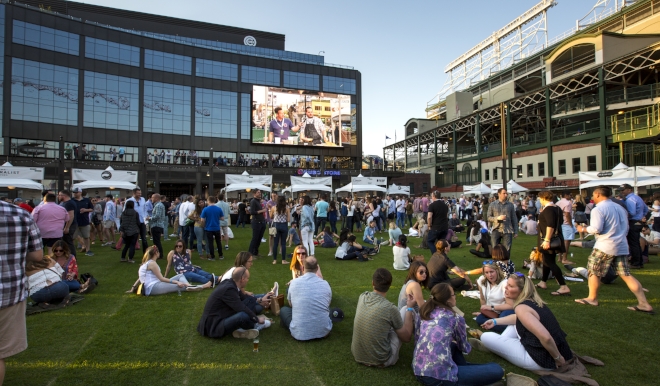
169 263
457 270
530 319
415 290
505 321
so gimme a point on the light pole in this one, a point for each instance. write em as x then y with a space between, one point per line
210 173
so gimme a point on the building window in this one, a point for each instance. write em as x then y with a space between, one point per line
562 166
43 92
215 113
576 165
412 188
317 108
246 120
541 166
425 187
258 75
339 85
299 80
46 38
216 70
166 108
164 61
573 58
530 170
111 102
94 152
591 163
494 174
487 177
2 59
112 52
519 172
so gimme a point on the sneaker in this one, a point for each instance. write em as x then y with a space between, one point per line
226 247
246 334
89 253
172 235
194 288
263 240
276 289
260 327
270 253
211 259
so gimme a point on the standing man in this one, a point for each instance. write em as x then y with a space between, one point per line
167 205
417 208
122 151
280 127
391 208
148 209
72 223
109 217
309 296
401 212
321 213
438 220
158 221
636 212
185 209
85 207
502 216
211 217
51 220
140 208
224 222
314 129
425 206
609 225
258 222
21 242
566 206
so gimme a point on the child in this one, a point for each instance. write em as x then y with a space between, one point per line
327 236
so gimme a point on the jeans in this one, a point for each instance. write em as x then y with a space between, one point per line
162 288
240 220
74 285
349 223
481 319
320 223
333 225
506 239
56 291
199 234
68 240
410 221
633 244
143 236
210 235
468 373
286 315
129 245
198 276
401 220
432 237
156 232
236 321
185 234
468 213
192 236
280 237
258 228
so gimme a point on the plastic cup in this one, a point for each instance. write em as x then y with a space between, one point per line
255 345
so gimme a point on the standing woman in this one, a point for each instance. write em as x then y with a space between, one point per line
409 211
280 221
196 216
119 207
550 219
307 224
580 206
129 230
350 214
332 216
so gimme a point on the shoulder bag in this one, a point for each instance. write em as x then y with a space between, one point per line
555 240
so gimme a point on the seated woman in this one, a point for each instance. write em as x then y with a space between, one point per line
327 236
394 233
297 263
369 236
346 252
491 295
484 243
401 254
69 264
44 282
179 260
533 339
153 281
441 340
356 247
474 233
452 239
416 279
440 264
501 259
417 229
258 302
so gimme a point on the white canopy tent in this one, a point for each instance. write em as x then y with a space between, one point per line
480 189
107 178
361 188
235 182
246 187
622 174
511 187
467 188
398 189
309 183
20 177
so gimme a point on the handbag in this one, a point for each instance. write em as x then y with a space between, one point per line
555 240
551 380
275 304
580 218
272 231
92 279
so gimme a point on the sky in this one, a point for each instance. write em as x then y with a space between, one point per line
400 48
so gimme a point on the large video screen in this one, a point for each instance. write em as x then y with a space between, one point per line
301 118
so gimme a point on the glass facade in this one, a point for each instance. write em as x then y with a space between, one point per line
339 85
301 80
246 116
164 61
94 152
34 148
261 76
253 159
46 38
112 52
216 113
216 70
111 102
43 92
166 108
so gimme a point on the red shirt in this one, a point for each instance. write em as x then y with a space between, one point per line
25 206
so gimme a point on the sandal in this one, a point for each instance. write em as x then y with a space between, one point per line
274 261
557 293
285 262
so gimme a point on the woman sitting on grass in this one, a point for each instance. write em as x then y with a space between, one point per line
401 254
491 295
441 340
484 242
326 236
501 259
394 233
357 247
153 282
440 264
416 279
346 252
533 339
69 264
179 259
44 282
418 229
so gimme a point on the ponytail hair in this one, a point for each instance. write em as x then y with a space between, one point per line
440 294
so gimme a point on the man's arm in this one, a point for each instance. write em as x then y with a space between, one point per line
232 299
491 214
69 221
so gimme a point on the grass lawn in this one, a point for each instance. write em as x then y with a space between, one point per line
114 338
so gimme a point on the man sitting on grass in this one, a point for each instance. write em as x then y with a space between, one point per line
225 313
369 236
378 329
308 314
455 224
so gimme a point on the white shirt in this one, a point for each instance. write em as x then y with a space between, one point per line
351 210
184 210
653 237
494 295
401 258
401 206
530 227
609 222
139 207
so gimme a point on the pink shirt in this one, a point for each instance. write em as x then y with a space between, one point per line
566 207
50 219
425 204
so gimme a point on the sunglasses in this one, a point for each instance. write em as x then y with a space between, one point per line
179 246
422 272
301 253
489 262
518 274
58 250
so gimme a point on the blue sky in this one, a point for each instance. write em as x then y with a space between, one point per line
401 48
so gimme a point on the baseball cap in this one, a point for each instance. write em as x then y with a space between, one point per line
336 314
76 190
18 200
626 186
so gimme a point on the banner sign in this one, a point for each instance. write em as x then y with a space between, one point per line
607 174
241 179
316 172
382 181
311 181
103 175
21 172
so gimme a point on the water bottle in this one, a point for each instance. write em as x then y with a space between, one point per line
179 290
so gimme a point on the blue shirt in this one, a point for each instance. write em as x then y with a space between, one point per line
636 207
369 232
609 222
211 215
121 151
281 129
295 240
83 218
322 209
149 208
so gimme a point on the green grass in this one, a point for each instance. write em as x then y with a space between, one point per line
115 338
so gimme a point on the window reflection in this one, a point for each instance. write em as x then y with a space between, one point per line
301 80
94 152
112 52
164 61
216 70
246 120
262 76
216 113
296 161
20 147
47 38
179 156
253 159
111 102
339 163
225 158
339 85
166 108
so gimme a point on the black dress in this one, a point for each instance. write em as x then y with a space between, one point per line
533 345
551 216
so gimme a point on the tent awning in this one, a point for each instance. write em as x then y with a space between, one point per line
361 188
313 187
23 183
511 187
105 184
480 189
246 186
398 189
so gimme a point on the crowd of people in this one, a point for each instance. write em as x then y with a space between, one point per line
520 326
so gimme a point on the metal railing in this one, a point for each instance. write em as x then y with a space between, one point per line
575 105
649 91
576 130
639 154
643 122
529 139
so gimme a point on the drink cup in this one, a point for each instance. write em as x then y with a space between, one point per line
255 345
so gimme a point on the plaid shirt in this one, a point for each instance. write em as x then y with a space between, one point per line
158 217
510 224
18 236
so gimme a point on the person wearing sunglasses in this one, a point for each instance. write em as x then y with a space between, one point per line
179 260
69 264
153 281
441 340
491 294
297 263
533 339
416 279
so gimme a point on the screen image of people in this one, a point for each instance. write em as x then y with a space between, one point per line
301 118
